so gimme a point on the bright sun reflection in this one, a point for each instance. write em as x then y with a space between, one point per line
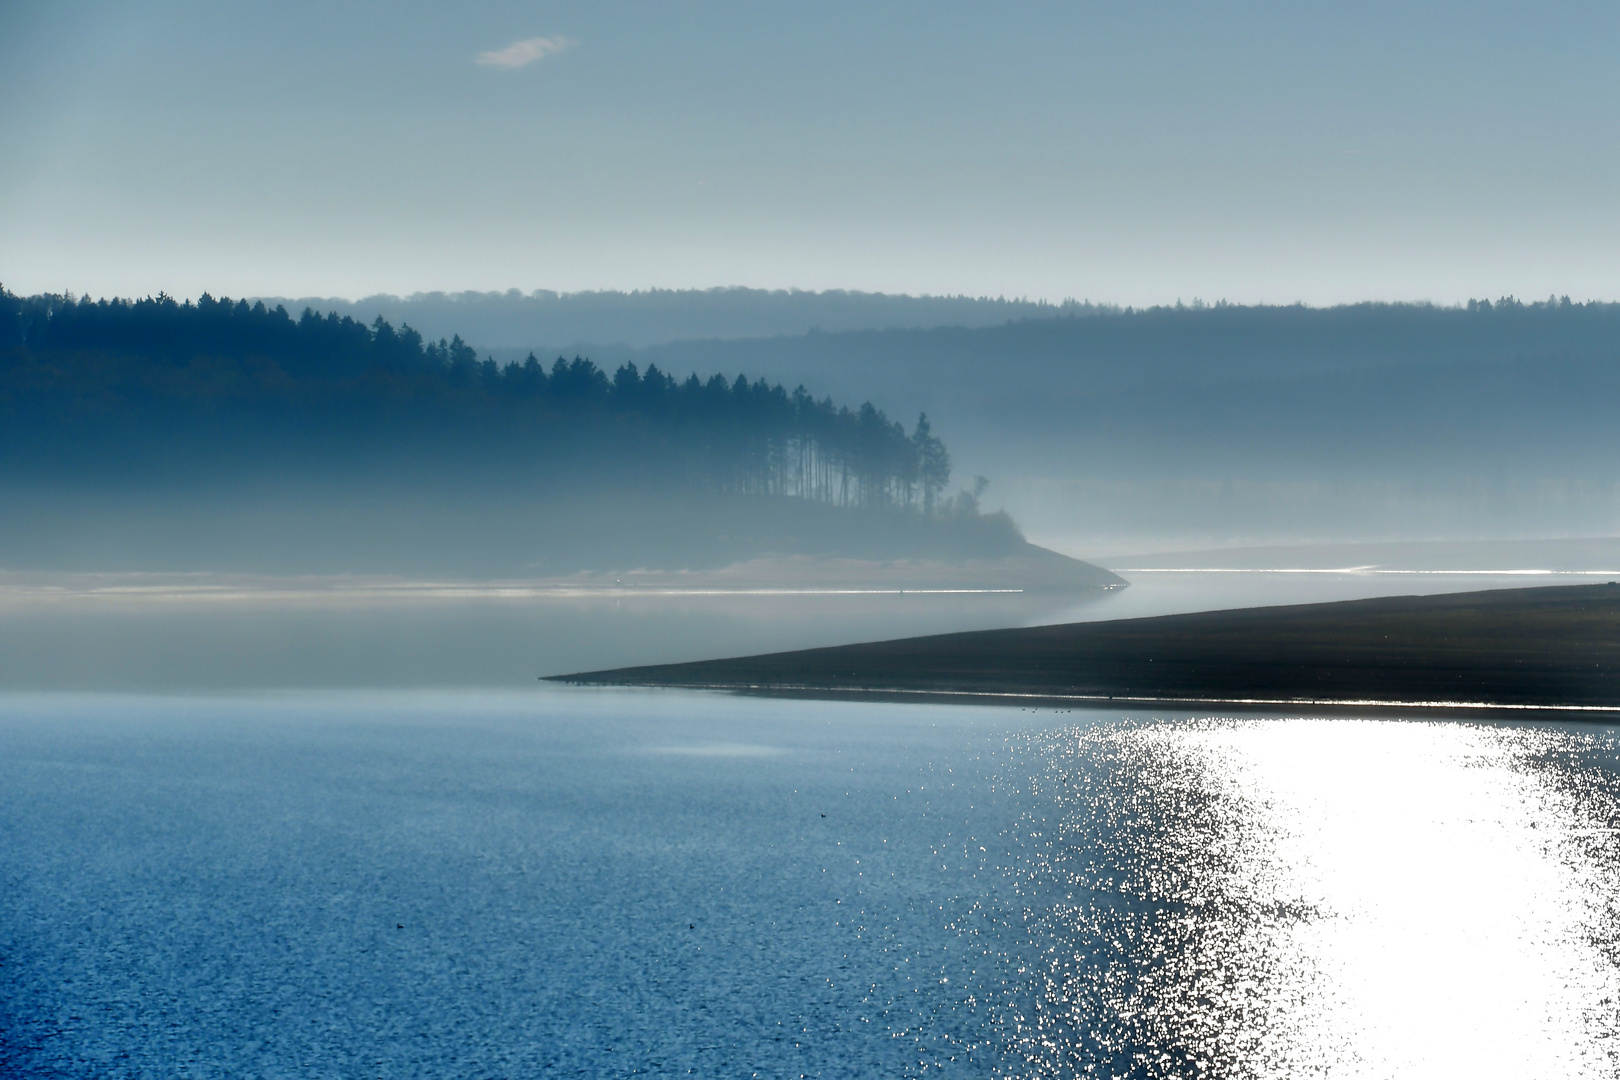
1325 897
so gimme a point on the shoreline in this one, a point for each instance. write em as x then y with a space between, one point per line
1597 713
1550 649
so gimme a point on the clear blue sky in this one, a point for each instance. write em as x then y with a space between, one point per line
1127 152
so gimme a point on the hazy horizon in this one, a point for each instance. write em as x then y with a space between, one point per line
1258 153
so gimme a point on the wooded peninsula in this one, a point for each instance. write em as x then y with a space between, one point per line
232 428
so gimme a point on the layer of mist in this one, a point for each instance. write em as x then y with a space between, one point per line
483 528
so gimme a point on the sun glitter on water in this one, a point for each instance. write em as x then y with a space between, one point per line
1339 897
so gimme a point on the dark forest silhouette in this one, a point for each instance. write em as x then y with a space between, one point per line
96 386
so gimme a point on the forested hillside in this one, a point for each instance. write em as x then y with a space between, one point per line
231 398
152 376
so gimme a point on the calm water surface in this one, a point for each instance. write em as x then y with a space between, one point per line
612 883
181 633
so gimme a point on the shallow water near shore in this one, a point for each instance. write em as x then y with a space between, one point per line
615 883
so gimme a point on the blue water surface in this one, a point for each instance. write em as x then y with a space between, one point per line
611 883
555 883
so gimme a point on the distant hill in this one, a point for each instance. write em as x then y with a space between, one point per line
1212 424
550 321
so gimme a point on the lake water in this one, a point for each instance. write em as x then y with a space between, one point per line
563 882
432 866
170 633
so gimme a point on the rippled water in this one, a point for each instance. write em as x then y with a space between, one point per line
1303 896
612 883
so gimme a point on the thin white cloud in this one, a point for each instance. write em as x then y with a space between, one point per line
527 51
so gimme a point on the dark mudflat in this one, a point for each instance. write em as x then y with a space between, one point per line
1544 647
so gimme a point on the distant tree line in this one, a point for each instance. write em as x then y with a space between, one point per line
74 370
505 320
